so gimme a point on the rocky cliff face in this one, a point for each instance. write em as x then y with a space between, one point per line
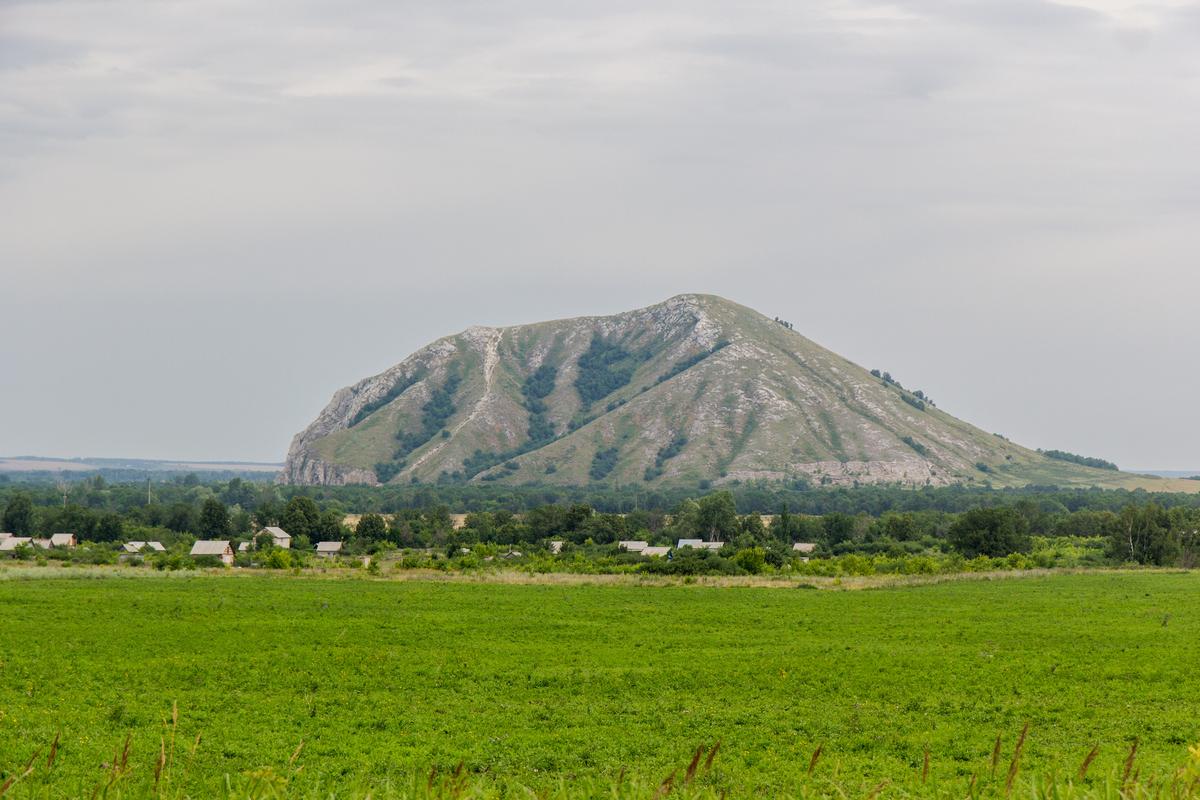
693 389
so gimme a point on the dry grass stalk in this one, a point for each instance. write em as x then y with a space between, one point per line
458 780
296 754
995 755
429 781
53 751
816 756
692 766
971 785
25 773
879 788
667 785
1087 761
1129 765
1016 760
925 768
708 762
161 762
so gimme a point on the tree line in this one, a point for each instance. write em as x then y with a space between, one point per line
1139 530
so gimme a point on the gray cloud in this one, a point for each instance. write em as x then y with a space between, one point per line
994 200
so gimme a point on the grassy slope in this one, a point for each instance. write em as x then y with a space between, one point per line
530 684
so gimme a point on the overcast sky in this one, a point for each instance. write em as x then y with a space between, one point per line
214 214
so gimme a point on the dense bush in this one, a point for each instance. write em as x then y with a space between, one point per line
536 389
687 363
1062 455
398 388
435 413
604 368
665 453
688 561
603 462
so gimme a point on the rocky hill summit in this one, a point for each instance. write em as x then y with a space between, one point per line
694 389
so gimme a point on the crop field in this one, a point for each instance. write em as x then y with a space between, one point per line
302 686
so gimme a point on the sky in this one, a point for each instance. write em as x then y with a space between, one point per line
215 214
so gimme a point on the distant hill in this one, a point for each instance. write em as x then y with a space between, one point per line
125 469
696 389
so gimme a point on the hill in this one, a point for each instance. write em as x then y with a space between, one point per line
693 389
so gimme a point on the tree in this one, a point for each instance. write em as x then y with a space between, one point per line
18 515
990 532
838 527
372 528
718 516
301 517
181 518
214 519
329 527
1143 535
109 528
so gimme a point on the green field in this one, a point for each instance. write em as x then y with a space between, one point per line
545 686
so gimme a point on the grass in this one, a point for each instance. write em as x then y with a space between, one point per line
595 689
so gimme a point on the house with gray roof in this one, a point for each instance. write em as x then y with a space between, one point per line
214 547
279 537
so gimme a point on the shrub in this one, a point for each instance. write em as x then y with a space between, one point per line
1086 461
751 559
603 462
604 368
689 561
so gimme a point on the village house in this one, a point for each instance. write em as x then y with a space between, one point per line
10 543
633 545
279 537
700 544
62 540
328 549
214 547
805 549
137 547
556 547
655 552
